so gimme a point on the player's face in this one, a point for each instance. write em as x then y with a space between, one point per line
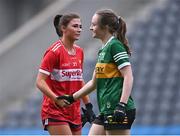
97 31
73 29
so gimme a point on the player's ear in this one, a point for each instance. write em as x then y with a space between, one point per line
63 28
106 27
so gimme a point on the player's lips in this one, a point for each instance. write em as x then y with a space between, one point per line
78 35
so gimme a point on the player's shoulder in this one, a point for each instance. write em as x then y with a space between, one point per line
115 43
55 46
77 47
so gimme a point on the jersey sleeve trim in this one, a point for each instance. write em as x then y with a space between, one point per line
124 64
119 56
44 72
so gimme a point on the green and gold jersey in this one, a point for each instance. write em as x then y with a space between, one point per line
111 58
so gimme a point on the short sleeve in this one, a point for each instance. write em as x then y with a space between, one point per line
48 63
120 55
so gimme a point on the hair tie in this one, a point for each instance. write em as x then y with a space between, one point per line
119 18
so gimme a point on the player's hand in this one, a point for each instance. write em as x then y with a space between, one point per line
90 113
119 112
67 98
61 103
83 118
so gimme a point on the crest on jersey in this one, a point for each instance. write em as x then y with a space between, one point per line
101 56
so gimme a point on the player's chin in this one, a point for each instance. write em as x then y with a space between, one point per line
94 35
77 37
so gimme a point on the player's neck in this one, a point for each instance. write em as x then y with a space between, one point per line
68 44
106 38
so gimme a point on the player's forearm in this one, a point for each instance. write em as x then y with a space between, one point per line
85 90
44 88
85 99
127 88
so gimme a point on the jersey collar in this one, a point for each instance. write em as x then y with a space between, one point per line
107 41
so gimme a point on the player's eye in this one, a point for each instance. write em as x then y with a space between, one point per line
77 26
93 24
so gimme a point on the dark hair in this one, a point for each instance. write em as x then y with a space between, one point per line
116 26
63 20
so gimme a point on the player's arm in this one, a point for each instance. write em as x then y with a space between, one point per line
86 89
127 84
120 110
85 98
44 88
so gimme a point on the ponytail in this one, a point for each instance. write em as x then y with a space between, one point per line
121 34
56 24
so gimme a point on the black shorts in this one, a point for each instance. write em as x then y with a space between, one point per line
51 121
108 124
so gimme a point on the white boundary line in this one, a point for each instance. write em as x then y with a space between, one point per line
16 36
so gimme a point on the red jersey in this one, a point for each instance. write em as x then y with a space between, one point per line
64 77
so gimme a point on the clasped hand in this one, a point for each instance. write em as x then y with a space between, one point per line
64 100
88 113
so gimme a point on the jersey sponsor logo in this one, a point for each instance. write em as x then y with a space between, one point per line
100 70
107 70
67 75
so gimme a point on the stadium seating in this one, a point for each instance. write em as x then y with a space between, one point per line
155 61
